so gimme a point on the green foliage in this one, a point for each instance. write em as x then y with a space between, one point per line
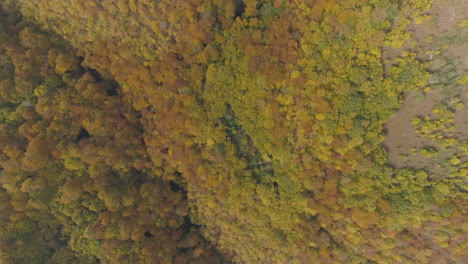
191 127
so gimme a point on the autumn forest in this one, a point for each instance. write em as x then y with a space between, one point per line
233 131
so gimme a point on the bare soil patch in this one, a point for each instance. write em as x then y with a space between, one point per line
444 43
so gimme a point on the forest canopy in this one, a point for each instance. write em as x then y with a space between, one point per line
213 131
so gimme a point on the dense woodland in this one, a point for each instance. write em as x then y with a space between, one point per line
213 131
